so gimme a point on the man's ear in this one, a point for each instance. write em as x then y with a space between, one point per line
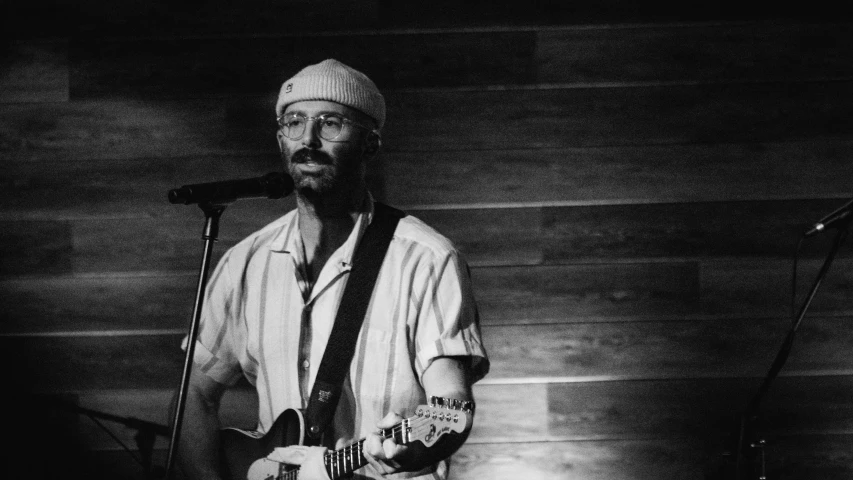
280 140
373 144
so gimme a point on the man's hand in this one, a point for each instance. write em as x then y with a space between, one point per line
387 456
310 460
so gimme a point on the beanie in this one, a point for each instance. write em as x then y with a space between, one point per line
333 81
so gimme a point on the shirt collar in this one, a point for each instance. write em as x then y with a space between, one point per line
289 239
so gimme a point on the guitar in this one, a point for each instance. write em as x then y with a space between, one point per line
244 454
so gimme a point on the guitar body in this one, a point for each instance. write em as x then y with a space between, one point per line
240 449
244 455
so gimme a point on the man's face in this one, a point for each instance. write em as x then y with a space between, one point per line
320 166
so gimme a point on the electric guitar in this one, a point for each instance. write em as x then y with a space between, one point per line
244 454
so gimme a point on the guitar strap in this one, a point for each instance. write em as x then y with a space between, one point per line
367 260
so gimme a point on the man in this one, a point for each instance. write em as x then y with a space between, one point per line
273 298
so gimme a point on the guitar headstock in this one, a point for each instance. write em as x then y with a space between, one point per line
432 421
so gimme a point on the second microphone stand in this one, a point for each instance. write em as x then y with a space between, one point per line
748 440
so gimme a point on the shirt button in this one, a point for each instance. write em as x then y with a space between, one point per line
305 364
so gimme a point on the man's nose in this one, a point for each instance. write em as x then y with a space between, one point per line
311 137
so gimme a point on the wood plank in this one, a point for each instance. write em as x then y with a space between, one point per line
763 287
63 189
648 350
199 67
421 121
753 229
793 457
595 292
44 18
704 409
192 67
824 457
34 72
485 237
506 295
694 53
514 295
105 303
635 350
556 118
35 247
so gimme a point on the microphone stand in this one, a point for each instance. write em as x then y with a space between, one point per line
746 430
212 213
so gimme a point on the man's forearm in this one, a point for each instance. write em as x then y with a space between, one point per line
198 451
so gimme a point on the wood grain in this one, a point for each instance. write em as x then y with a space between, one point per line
198 67
443 120
635 350
758 229
506 295
705 410
764 287
133 188
34 71
737 52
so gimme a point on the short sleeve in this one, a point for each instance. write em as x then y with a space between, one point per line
448 321
221 329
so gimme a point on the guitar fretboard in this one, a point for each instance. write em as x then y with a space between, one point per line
348 459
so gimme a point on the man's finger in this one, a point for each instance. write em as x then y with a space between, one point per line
393 418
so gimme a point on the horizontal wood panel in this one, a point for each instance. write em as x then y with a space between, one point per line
792 457
197 67
510 236
107 245
651 350
505 295
694 53
192 67
34 72
443 120
133 188
824 457
555 293
701 409
733 288
663 349
764 287
45 18
695 230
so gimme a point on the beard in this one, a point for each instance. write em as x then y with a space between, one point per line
333 179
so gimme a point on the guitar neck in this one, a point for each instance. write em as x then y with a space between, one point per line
346 460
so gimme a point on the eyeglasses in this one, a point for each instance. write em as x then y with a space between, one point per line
332 125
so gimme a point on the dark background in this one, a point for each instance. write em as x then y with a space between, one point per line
627 180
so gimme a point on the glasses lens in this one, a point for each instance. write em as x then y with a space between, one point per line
331 126
292 125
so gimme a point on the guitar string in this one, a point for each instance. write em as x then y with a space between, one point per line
341 454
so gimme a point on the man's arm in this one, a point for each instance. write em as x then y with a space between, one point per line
445 377
198 450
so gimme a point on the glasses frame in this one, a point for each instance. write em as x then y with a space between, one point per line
320 117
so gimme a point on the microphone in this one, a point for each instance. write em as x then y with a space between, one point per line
271 185
840 214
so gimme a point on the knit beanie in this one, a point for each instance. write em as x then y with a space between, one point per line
333 81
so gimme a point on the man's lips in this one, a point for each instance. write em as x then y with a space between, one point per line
311 159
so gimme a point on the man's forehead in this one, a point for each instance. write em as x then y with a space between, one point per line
318 106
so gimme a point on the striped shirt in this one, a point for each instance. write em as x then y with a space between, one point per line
263 320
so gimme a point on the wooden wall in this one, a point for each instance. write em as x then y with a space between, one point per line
628 184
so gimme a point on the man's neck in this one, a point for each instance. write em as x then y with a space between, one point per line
325 225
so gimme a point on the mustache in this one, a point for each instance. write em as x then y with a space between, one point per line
305 155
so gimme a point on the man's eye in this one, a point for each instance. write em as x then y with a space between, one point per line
333 122
293 123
